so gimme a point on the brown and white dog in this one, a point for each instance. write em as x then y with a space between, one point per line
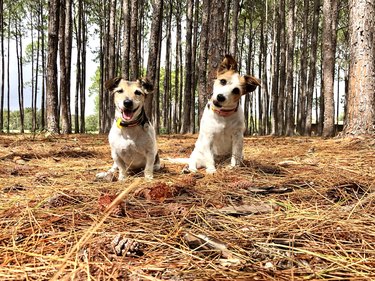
132 137
222 124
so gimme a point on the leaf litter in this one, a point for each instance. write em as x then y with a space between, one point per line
298 208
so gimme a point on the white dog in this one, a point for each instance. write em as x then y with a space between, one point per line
222 125
132 137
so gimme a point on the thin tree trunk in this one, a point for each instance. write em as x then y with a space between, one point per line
275 70
44 76
234 29
203 56
68 57
312 68
154 50
126 47
188 68
301 113
63 74
52 90
330 14
83 72
289 117
194 65
167 74
133 41
282 75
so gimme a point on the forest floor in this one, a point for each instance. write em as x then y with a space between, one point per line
298 209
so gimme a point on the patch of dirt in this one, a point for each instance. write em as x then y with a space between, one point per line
297 208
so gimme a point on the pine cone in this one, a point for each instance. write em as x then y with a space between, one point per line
126 247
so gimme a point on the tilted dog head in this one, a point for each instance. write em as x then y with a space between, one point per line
129 96
229 85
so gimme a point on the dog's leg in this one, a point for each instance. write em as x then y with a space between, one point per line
110 172
149 169
157 162
202 157
237 149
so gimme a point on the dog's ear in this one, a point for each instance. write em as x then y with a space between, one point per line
112 83
146 85
251 83
228 63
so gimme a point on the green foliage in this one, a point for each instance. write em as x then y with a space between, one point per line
92 123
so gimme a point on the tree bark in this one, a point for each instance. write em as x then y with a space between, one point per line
126 47
361 97
312 68
63 73
202 76
134 66
282 75
154 50
52 90
188 69
234 30
289 109
330 13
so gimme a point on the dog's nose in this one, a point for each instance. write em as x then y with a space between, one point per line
128 103
220 98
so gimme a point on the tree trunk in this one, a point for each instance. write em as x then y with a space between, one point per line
167 74
234 29
301 112
275 70
154 50
330 13
289 109
202 76
134 71
282 75
361 97
83 71
78 67
312 68
63 73
177 81
126 48
194 71
188 68
52 90
216 46
44 76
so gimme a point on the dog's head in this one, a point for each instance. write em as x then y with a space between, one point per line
229 85
129 96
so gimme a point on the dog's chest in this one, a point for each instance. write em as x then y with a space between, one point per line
129 142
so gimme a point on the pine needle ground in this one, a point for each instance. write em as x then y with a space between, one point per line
297 209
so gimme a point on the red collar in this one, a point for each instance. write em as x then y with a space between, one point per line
223 112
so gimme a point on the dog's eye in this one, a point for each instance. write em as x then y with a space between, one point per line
223 82
120 91
236 91
138 93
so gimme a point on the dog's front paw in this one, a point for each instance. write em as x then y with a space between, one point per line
121 177
149 176
105 176
210 171
100 176
231 166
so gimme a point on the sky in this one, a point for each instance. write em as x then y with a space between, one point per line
91 68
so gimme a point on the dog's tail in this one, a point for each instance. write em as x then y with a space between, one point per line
177 160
